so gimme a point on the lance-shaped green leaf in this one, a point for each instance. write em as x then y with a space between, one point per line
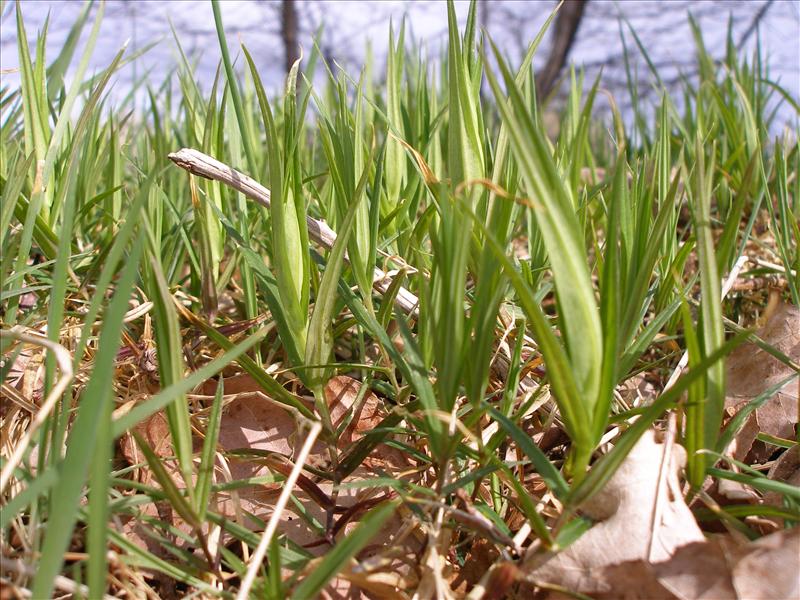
563 238
287 212
338 556
81 441
320 332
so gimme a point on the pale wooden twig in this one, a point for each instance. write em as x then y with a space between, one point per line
770 265
203 165
263 544
17 567
665 476
64 361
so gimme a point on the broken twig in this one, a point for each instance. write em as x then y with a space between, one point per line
203 165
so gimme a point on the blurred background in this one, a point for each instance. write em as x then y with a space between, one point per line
595 34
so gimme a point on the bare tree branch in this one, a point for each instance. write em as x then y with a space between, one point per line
566 26
756 20
289 33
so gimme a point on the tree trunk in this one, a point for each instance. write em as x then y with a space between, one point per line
566 26
289 33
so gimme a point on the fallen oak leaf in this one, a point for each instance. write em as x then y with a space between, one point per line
253 499
252 420
480 559
787 470
256 435
256 443
611 560
770 568
751 371
342 394
626 532
280 464
714 569
155 431
386 566
265 427
719 569
374 585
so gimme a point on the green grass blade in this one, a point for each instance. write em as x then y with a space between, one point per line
605 468
169 352
205 473
81 442
320 333
168 395
236 96
710 305
554 480
345 549
288 224
555 212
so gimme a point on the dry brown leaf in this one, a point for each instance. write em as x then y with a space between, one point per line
341 394
787 470
613 560
770 569
342 589
252 421
766 569
641 519
698 571
751 371
27 371
384 570
270 427
376 585
638 391
155 431
481 555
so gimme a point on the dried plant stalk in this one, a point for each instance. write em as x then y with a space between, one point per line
206 166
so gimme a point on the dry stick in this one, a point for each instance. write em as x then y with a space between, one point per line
64 361
770 265
17 567
203 165
664 477
288 486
